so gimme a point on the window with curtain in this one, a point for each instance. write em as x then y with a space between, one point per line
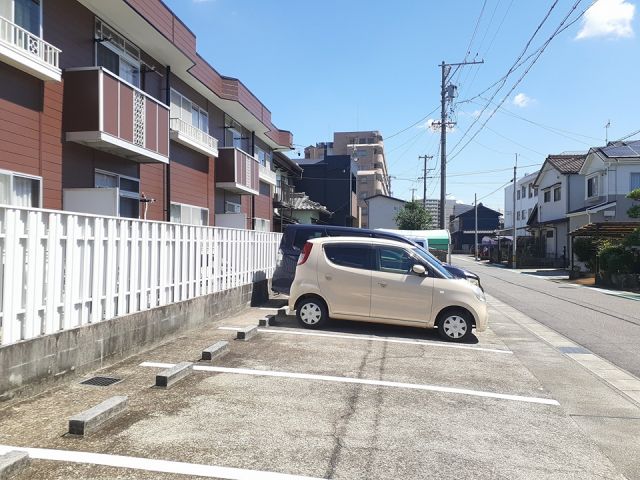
19 190
189 214
189 112
26 14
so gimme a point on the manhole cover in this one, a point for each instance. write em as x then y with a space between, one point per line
573 350
101 381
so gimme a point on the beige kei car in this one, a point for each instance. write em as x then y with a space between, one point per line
376 280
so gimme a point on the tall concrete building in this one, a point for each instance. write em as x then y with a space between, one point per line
367 150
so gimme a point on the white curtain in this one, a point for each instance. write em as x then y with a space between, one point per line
24 192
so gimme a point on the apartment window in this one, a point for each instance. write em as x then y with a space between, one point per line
188 111
593 187
518 215
547 196
518 194
24 13
263 156
530 191
634 181
524 215
189 214
265 189
129 191
524 191
529 212
20 190
535 192
556 194
117 54
234 134
360 153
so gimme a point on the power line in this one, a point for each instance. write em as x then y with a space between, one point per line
412 125
509 72
524 74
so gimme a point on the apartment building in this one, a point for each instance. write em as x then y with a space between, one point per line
366 148
108 108
525 202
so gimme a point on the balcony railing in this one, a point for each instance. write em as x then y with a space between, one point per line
266 174
283 194
103 111
237 171
28 52
191 136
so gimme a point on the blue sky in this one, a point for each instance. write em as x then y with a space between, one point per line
343 65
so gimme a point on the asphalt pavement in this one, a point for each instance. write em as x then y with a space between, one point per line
606 323
353 401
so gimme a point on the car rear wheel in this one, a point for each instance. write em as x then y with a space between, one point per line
312 313
455 326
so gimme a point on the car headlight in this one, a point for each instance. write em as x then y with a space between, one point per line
479 294
474 281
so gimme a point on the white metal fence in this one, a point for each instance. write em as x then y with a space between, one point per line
61 270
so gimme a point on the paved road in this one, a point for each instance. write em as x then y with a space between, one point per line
607 325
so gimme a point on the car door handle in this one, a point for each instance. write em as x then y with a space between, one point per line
382 284
328 277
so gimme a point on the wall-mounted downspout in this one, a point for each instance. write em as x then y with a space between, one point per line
253 197
167 169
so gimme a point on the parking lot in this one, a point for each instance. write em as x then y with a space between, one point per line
351 401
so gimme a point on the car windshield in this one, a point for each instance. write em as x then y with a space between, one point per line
432 261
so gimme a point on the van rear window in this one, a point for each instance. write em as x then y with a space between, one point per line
303 235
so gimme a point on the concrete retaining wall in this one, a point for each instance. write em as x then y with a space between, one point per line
30 366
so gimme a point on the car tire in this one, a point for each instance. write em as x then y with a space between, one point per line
312 313
455 325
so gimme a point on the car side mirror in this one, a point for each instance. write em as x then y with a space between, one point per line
419 269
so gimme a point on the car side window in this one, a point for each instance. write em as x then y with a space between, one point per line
305 234
394 260
352 256
347 233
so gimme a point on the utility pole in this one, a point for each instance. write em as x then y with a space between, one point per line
447 92
424 178
413 194
475 203
515 228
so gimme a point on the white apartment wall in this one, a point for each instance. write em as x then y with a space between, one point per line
382 212
527 204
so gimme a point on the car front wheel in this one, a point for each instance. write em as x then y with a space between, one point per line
455 326
312 313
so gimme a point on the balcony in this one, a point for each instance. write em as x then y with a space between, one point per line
28 52
104 112
192 137
266 174
237 172
283 195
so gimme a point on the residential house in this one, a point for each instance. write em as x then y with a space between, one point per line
306 211
367 150
561 189
382 211
108 108
608 175
287 171
526 199
464 227
331 181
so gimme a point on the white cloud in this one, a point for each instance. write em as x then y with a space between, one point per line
522 100
608 18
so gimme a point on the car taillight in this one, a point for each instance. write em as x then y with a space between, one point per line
304 255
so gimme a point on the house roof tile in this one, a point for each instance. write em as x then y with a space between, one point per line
567 163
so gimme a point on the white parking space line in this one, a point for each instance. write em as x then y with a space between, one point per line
376 339
364 381
152 465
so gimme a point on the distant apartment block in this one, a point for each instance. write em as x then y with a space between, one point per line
525 203
366 148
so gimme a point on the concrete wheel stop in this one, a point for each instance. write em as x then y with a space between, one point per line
216 350
170 376
93 419
246 333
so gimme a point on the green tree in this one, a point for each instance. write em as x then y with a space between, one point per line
634 211
413 216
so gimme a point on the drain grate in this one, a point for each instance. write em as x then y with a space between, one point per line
101 381
573 350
